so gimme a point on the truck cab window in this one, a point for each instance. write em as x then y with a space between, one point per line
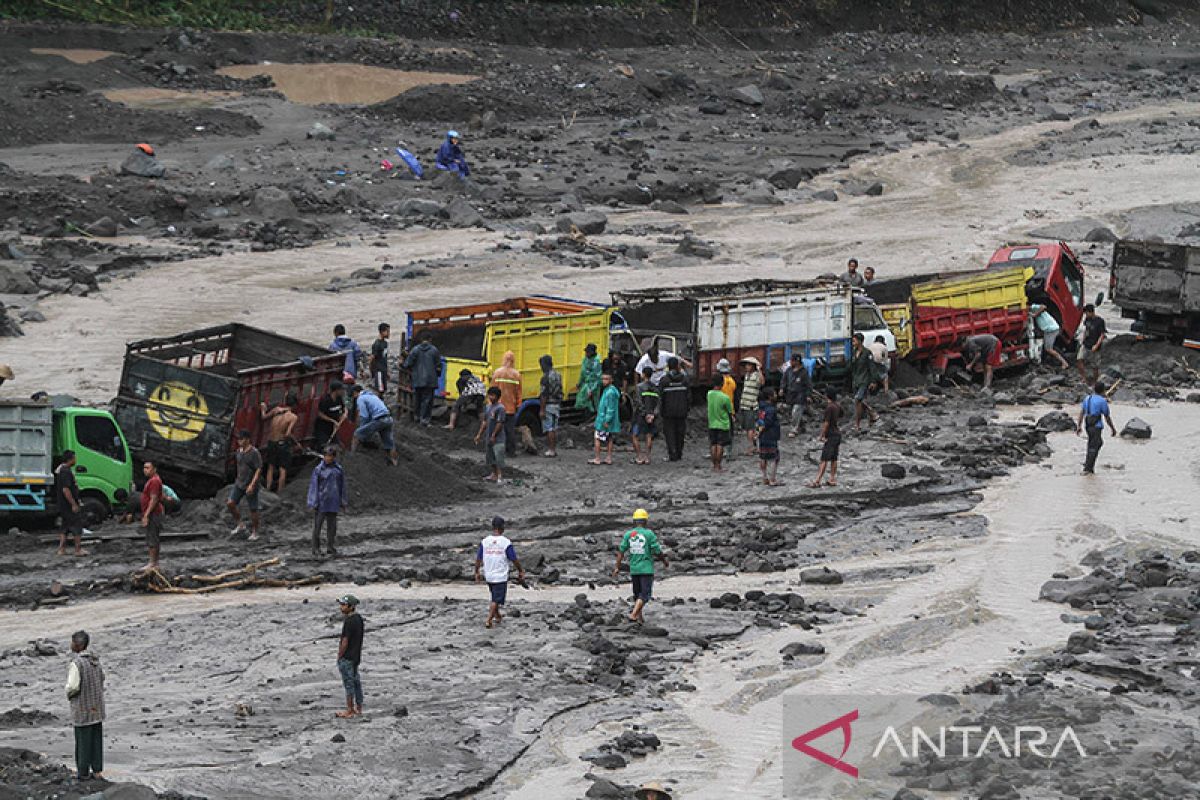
100 435
868 318
1074 280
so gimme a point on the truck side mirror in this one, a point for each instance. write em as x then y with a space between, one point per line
1100 298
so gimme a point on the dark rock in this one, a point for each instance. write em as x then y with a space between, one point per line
907 794
129 791
1100 235
761 193
15 279
142 165
605 760
337 738
892 471
588 222
366 274
689 245
321 132
823 575
667 207
1056 421
788 177
206 230
220 163
274 203
825 194
794 649
32 315
1136 428
1081 642
463 214
749 95
420 207
1075 592
712 107
105 226
604 789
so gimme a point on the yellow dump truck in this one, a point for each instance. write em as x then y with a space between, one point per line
476 337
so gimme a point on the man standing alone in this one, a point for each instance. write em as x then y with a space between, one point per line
425 363
349 655
85 691
379 360
1095 331
66 492
642 546
246 484
1093 413
152 511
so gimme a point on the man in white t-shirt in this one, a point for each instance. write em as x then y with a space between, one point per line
879 354
492 556
656 360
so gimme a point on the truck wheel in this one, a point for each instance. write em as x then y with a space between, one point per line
94 510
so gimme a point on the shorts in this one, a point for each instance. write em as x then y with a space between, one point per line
474 402
993 358
768 453
279 454
643 585
602 436
719 437
154 528
383 426
72 522
860 394
236 495
643 428
499 592
830 451
747 419
1089 357
550 417
493 455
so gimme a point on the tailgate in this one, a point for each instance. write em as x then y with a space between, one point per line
561 337
1002 288
26 443
898 317
1164 278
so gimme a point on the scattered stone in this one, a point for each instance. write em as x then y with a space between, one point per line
604 789
463 215
220 163
667 207
790 651
1100 234
142 165
828 195
588 222
823 575
105 226
321 132
129 791
788 177
689 245
892 471
420 207
1057 421
15 279
1136 428
274 203
605 760
337 738
761 193
749 95
977 421
31 315
715 107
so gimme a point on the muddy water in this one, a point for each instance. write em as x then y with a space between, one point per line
77 56
168 99
976 612
341 84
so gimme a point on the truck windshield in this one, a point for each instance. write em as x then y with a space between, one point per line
100 435
1074 280
868 318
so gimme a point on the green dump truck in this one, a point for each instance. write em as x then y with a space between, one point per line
33 436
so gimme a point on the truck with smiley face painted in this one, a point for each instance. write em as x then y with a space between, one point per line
183 398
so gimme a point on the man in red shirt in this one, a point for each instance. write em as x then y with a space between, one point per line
152 511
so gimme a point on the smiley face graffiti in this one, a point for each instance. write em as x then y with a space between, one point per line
176 411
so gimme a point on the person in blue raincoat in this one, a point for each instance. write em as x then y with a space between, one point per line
450 156
326 497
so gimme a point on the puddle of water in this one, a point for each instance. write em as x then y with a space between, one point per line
168 99
76 56
341 84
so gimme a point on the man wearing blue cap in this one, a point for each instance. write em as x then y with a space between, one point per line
492 556
450 156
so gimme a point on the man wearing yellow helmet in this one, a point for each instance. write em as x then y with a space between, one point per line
642 546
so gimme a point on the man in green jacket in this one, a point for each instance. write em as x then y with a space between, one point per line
720 421
642 546
864 376
587 393
608 418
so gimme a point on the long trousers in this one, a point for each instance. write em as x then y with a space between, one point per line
329 520
674 429
89 749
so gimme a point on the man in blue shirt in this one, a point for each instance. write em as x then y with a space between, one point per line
374 418
1093 413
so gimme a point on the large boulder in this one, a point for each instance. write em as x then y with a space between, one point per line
1056 421
749 95
892 471
823 575
142 165
1136 428
588 222
274 203
15 279
464 215
790 651
761 193
421 207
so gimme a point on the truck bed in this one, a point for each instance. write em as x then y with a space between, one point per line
1158 277
26 454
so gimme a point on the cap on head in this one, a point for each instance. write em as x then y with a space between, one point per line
641 513
145 148
723 365
348 600
452 134
497 523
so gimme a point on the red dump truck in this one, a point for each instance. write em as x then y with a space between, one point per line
930 315
183 398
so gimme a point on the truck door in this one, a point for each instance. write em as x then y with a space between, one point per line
102 457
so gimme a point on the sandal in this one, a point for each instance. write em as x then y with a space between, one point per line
813 485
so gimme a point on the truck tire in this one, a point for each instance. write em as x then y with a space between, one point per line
95 510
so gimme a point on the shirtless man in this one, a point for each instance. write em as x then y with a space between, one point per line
282 420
